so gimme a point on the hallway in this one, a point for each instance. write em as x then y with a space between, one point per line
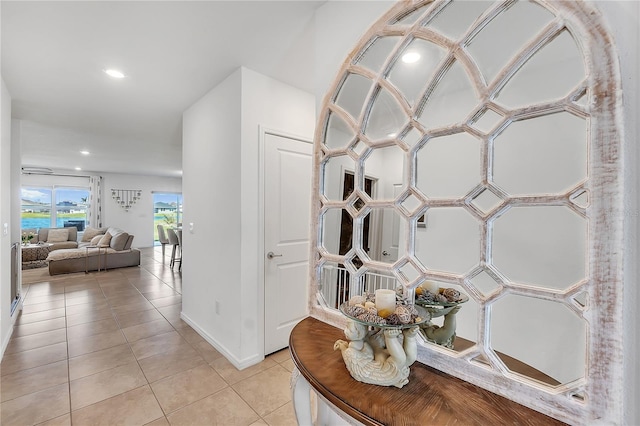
110 348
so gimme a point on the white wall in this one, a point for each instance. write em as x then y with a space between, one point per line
211 182
221 153
6 320
139 219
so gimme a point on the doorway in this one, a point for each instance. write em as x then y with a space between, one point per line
167 211
287 215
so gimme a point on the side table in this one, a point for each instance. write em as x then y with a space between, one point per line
86 257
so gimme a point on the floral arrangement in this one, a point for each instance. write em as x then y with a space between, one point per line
27 237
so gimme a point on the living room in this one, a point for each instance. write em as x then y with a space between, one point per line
131 149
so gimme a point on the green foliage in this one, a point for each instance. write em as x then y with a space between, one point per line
170 219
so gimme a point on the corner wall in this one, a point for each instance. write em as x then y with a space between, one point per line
211 192
221 152
272 105
6 320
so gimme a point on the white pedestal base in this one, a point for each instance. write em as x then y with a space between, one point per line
312 409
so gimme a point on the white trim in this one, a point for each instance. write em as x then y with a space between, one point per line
238 363
13 319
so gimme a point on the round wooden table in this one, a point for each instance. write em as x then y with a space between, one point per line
430 398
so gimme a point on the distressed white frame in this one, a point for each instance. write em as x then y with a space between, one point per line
601 390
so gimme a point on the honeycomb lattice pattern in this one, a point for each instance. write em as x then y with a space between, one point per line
468 100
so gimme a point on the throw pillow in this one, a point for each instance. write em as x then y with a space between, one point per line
119 240
89 233
58 235
129 242
96 240
105 240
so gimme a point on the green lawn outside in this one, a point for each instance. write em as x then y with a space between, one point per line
166 219
46 215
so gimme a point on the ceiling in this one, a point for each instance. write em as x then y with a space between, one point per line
172 53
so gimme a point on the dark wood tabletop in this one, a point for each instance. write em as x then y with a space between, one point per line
430 398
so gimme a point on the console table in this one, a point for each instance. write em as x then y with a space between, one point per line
430 398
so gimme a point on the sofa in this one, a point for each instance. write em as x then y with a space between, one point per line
108 250
59 238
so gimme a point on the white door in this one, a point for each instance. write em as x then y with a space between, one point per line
287 216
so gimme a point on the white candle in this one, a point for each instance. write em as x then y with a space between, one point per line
431 287
386 299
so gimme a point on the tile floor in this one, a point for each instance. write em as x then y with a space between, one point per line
110 348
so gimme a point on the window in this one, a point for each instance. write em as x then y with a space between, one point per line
69 209
167 210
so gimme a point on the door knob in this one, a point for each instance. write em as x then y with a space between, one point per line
385 253
271 255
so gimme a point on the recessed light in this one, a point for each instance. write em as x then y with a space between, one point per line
85 152
78 168
114 73
410 57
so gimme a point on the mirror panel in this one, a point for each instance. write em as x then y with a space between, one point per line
359 148
486 201
409 273
449 166
411 137
411 17
382 229
485 283
333 284
541 245
333 220
487 120
338 133
450 240
466 318
452 100
353 93
414 67
552 73
384 166
386 119
376 52
410 203
492 50
522 160
333 171
528 331
455 18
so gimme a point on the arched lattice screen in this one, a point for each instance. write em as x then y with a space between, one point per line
474 144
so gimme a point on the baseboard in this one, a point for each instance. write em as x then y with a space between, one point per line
240 364
7 338
5 342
